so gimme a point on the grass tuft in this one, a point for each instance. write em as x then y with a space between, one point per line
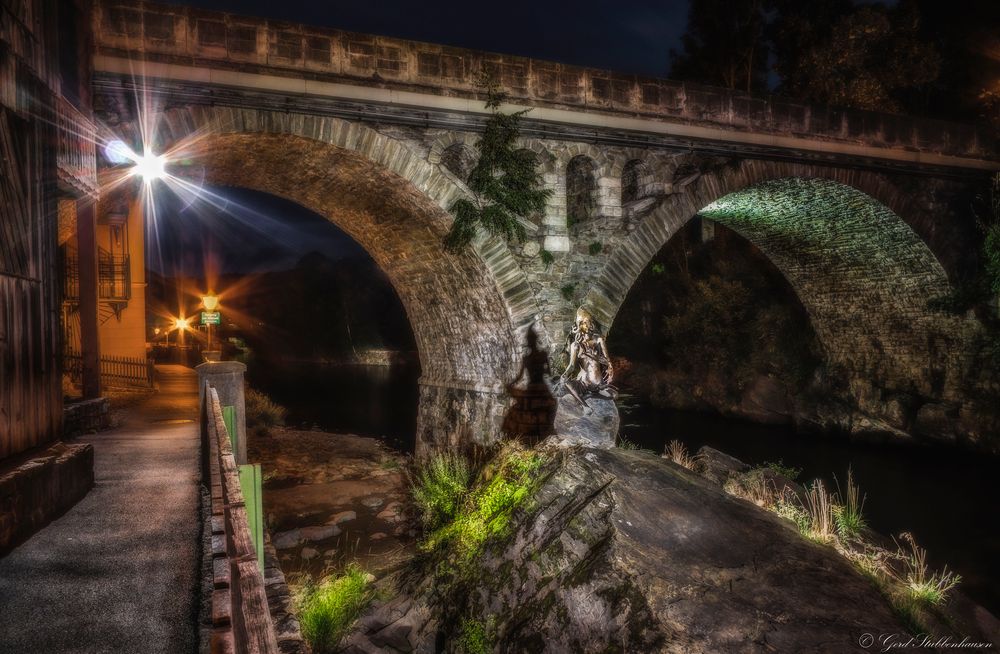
440 488
849 515
328 611
922 585
678 453
819 506
486 510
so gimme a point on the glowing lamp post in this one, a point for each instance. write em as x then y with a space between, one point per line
181 325
210 317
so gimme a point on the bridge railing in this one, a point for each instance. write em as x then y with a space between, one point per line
241 620
235 44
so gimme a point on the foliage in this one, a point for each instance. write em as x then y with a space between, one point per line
440 488
924 586
779 467
849 515
262 412
595 248
860 55
475 637
724 45
658 268
547 257
328 611
863 57
567 291
991 242
487 508
789 507
505 183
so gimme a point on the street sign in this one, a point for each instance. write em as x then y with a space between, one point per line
211 318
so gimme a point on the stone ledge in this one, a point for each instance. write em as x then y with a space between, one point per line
86 416
38 488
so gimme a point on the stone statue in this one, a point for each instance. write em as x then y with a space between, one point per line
589 372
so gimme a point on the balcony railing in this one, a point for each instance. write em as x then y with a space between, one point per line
77 157
114 277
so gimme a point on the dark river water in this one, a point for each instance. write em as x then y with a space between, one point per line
948 499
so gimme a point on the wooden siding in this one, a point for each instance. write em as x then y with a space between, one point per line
30 368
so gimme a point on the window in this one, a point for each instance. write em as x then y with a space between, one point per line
580 189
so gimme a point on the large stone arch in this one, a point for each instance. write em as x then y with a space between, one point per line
863 275
468 311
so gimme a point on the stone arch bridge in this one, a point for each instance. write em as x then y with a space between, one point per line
863 213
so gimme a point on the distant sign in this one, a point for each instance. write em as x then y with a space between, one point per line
211 318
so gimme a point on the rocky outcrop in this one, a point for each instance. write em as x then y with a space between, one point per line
593 426
621 550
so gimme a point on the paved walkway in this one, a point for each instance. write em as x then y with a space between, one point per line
119 571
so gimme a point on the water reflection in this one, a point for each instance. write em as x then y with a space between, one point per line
378 401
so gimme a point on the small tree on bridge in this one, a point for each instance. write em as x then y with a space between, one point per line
505 183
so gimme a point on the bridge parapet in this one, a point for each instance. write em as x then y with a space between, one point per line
217 40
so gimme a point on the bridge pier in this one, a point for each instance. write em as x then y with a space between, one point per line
458 416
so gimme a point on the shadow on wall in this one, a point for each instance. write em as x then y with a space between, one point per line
533 413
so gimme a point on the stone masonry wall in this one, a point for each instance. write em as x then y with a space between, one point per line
35 491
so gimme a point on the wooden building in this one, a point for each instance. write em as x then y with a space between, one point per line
47 170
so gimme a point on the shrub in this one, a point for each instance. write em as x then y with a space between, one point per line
848 515
547 257
595 248
262 412
440 487
780 468
328 611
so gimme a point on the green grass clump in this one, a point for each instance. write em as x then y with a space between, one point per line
486 510
849 516
328 611
567 291
440 488
595 248
922 585
262 412
547 257
474 637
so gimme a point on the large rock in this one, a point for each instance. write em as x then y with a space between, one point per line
623 551
577 425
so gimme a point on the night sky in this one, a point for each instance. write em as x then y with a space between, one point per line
239 231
